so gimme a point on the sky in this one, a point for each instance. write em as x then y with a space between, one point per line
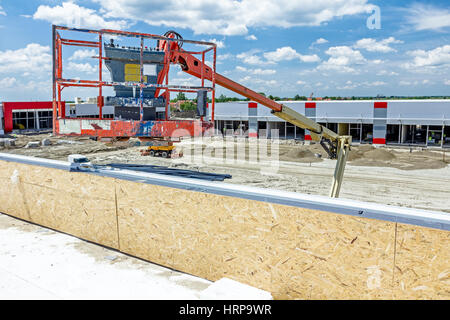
282 48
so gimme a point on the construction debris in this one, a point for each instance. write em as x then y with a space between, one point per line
169 171
33 144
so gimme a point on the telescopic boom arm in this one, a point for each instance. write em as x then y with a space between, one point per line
335 145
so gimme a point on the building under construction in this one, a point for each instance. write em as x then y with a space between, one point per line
392 122
293 245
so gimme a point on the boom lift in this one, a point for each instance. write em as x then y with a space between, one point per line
337 147
155 90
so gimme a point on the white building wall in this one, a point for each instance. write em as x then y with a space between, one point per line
344 111
230 110
419 112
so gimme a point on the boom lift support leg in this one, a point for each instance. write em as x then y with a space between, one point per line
344 143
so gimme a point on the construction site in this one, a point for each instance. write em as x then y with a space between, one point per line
293 200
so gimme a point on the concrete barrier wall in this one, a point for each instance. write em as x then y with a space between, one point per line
292 252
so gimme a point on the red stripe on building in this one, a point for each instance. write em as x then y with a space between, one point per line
252 105
8 108
308 137
253 135
310 105
380 105
379 141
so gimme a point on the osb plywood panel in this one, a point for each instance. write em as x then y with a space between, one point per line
12 193
321 255
291 252
76 203
422 263
13 200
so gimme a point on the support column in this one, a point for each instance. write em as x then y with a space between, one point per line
1 121
379 123
252 120
310 112
404 130
36 119
343 129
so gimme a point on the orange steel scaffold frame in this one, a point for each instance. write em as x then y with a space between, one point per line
59 83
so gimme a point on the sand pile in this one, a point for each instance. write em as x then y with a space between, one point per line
358 152
300 154
366 147
379 155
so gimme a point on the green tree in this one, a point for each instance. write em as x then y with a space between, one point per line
181 96
188 106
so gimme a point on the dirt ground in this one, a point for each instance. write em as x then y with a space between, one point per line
410 177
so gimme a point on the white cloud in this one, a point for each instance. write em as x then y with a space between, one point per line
82 54
41 89
375 83
287 54
245 79
320 41
250 57
230 17
185 81
225 56
219 43
2 12
251 37
342 59
263 71
8 82
349 85
427 17
300 82
82 67
373 45
439 56
72 15
410 83
257 71
259 83
447 82
33 58
387 73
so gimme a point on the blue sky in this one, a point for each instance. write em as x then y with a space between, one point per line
283 48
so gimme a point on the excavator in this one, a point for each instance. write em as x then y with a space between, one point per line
336 146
